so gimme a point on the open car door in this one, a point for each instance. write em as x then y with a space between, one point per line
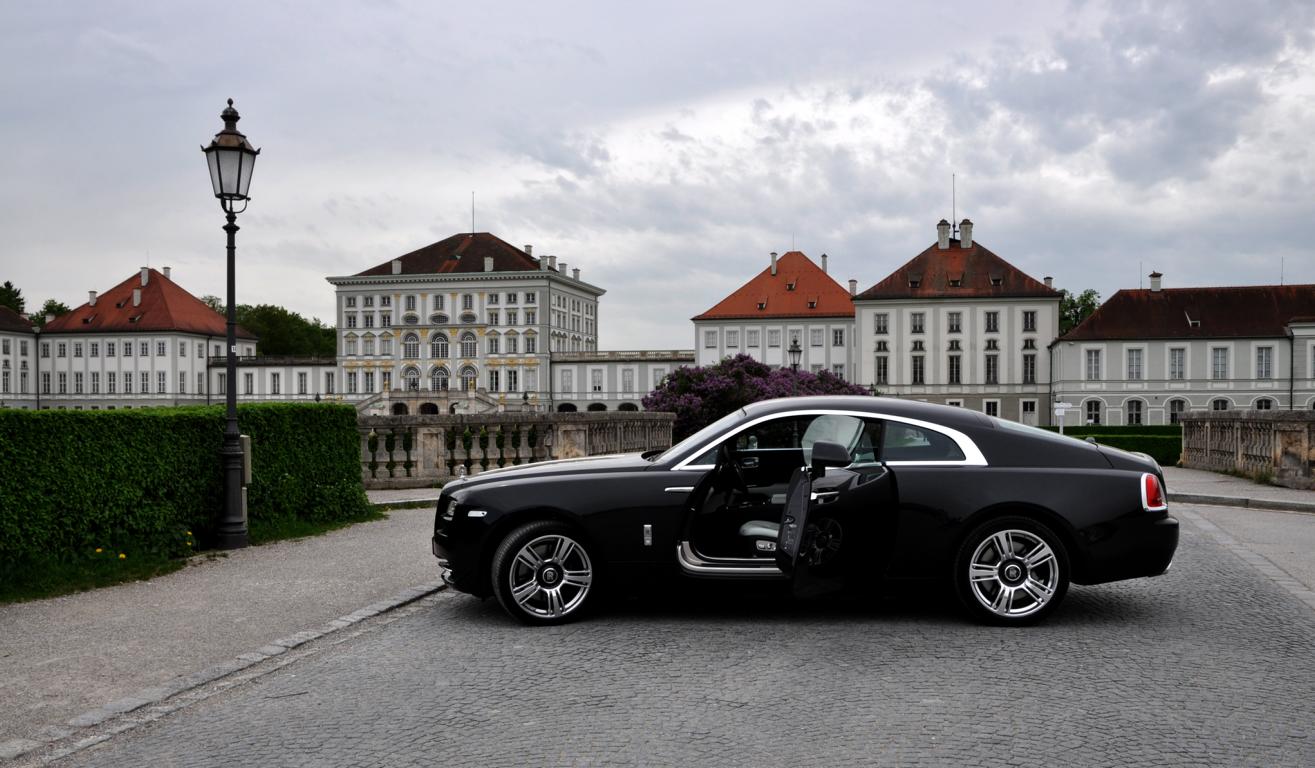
794 519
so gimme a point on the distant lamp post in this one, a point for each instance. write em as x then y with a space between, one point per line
873 389
231 159
795 351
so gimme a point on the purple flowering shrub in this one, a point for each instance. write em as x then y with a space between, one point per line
700 396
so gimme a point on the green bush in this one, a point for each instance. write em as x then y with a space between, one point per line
1165 449
143 481
1134 429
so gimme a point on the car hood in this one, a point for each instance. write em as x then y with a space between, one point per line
613 463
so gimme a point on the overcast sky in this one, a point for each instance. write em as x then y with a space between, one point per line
663 151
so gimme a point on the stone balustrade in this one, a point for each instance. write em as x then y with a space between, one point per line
1275 444
423 451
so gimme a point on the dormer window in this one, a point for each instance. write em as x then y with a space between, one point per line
915 281
1192 322
997 279
87 320
762 304
956 281
812 303
789 286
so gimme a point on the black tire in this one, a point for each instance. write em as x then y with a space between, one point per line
543 573
1003 575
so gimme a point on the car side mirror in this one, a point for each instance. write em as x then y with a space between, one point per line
828 454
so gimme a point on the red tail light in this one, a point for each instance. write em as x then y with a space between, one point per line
1152 494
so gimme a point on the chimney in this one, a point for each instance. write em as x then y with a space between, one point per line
136 297
397 266
853 287
1155 281
773 263
943 234
91 298
965 234
146 274
552 262
575 273
488 263
561 267
824 263
529 250
168 273
1050 281
543 264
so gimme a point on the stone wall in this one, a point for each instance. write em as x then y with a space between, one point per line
424 451
1280 444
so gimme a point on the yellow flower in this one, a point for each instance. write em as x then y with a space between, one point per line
122 556
98 550
189 533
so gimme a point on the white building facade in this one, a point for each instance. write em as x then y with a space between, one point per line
1147 356
17 361
612 380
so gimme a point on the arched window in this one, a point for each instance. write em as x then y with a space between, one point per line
411 346
438 346
412 378
1093 411
1219 404
438 379
493 342
627 407
566 408
1264 404
468 348
1132 412
597 406
399 409
468 377
1176 409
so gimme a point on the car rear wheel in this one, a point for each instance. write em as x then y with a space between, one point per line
543 574
1011 571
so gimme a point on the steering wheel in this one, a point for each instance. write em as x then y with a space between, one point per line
731 468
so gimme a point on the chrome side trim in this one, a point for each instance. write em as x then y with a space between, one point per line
477 513
679 489
973 456
694 565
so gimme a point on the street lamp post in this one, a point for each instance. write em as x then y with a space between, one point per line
795 352
231 159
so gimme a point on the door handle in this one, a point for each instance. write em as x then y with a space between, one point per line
824 495
749 462
678 488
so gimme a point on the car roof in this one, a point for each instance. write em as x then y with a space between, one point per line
948 415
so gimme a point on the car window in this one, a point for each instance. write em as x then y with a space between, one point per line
906 442
845 430
799 433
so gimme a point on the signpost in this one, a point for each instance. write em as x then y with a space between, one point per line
1060 409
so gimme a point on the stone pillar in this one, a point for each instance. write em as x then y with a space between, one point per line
476 452
440 456
459 454
494 453
366 474
523 455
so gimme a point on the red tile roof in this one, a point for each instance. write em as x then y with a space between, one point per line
461 253
980 274
1251 311
798 289
12 321
165 306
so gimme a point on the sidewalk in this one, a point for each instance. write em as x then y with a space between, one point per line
65 656
1194 486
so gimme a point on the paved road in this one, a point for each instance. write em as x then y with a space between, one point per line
1213 663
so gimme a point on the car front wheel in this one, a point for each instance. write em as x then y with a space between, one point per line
543 574
1011 571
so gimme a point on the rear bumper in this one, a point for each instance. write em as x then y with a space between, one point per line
1139 548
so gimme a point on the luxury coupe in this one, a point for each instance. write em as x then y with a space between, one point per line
825 492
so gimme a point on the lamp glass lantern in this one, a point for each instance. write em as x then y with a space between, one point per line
795 351
231 159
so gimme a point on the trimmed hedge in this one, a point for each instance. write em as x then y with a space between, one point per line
140 481
1134 429
1165 449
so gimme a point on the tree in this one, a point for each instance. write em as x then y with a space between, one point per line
11 297
1074 309
699 396
283 332
215 303
51 307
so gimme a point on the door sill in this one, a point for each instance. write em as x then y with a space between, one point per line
733 567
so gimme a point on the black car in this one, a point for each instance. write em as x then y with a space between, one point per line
827 492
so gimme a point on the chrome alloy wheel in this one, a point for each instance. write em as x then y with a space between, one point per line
1013 573
550 576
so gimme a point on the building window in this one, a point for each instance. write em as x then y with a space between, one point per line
410 303
751 338
512 317
918 369
992 369
658 375
774 337
145 349
1264 364
709 339
467 301
410 346
1093 365
386 320
881 323
992 322
1263 404
838 337
111 383
815 337
1093 411
596 380
732 339
468 345
77 349
1029 321
145 381
367 345
513 344
513 377
385 301
468 379
953 369
161 383
1177 365
349 347
328 382
95 382
1133 413
351 382
438 346
1134 365
438 379
568 382
1219 363
182 349
531 344
437 303
95 348
991 408
369 301
531 298
63 383
45 383
369 381
839 370
159 349
915 321
1176 408
350 302
493 317
493 344
301 383
248 384
954 322
627 381
45 349
1029 369
369 320
493 381
182 383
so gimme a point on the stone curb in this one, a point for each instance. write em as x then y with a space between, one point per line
15 748
383 506
1242 501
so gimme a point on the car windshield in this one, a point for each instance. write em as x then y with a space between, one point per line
702 436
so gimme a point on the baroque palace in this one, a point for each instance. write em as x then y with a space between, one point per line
474 324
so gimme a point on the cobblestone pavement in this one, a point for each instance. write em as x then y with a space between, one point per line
1212 664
